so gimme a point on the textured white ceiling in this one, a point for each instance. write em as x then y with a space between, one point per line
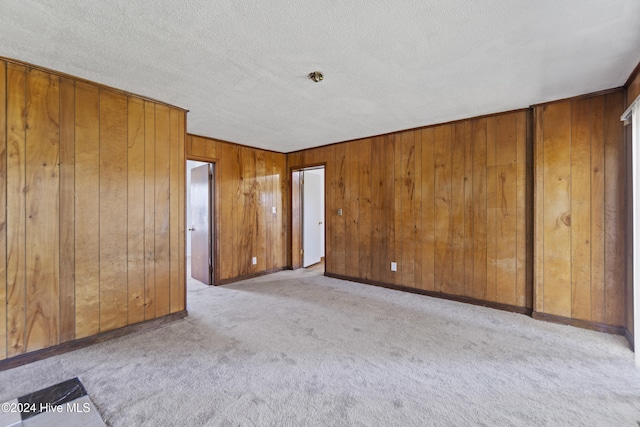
240 66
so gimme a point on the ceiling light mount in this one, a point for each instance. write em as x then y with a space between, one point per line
316 76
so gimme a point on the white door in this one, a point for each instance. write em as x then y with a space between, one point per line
312 225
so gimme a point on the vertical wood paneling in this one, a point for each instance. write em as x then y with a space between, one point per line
407 213
397 202
176 163
468 289
448 203
442 219
337 253
182 211
523 208
3 209
557 209
113 210
16 126
87 207
580 187
81 208
136 210
42 225
479 141
67 300
597 209
388 209
457 209
615 191
226 231
506 237
580 210
377 194
364 209
351 210
428 208
247 224
162 211
260 250
149 210
492 210
418 234
250 183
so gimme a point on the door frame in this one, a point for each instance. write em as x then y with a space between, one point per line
215 217
296 217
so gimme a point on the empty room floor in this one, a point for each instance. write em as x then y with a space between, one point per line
297 348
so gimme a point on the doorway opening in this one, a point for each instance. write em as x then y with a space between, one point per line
201 221
308 218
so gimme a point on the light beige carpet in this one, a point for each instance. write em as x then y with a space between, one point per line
298 349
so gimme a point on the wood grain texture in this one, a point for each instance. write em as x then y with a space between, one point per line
67 300
479 142
457 209
87 209
3 209
16 208
557 209
443 214
468 240
506 223
427 239
42 150
162 211
581 209
363 239
113 210
176 172
407 214
78 211
351 209
580 186
296 219
251 183
136 210
437 201
149 210
615 182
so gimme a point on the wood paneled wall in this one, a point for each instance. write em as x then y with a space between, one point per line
250 182
448 203
580 179
93 193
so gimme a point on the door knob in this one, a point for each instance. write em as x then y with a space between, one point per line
320 223
192 229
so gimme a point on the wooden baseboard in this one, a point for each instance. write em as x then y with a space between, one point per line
616 330
252 275
458 298
66 347
629 336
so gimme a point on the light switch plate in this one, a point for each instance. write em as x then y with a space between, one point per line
254 260
273 210
340 212
394 266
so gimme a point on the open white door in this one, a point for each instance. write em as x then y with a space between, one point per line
312 214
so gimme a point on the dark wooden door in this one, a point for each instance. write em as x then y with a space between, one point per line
200 228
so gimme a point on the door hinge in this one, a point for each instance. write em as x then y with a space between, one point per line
210 269
301 251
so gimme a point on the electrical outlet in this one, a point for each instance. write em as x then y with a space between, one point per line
254 260
394 266
339 212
